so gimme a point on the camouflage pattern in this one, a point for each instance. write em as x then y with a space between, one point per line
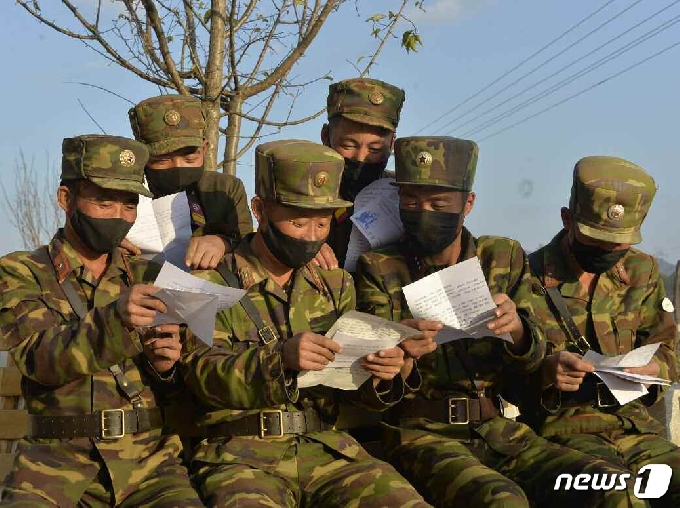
225 205
485 464
168 122
624 312
299 173
610 198
440 161
367 101
64 362
240 376
111 162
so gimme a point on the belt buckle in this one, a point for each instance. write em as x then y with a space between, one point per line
106 415
451 402
600 403
263 420
266 334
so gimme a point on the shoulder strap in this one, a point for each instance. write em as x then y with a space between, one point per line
559 307
415 268
76 303
266 333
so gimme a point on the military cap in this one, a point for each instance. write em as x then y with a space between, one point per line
439 161
168 123
366 101
111 162
610 198
299 173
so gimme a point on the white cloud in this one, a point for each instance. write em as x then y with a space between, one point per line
446 11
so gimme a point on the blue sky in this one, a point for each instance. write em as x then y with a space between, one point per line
524 174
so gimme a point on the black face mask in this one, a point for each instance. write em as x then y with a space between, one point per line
358 175
290 251
595 259
431 232
163 182
100 235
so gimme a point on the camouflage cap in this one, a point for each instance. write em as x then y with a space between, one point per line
366 101
168 123
110 162
610 198
439 161
299 173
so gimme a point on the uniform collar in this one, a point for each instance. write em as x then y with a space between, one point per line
250 271
559 264
66 260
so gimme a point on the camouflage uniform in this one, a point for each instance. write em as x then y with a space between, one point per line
65 364
490 461
627 309
218 201
366 101
242 376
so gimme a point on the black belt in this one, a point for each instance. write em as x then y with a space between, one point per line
591 393
270 423
105 424
453 410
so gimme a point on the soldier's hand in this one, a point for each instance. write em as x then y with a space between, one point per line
205 252
130 248
420 345
385 364
137 306
308 351
325 258
162 347
651 369
507 320
565 370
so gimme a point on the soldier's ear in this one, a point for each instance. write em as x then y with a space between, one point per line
567 218
325 135
257 206
469 203
65 199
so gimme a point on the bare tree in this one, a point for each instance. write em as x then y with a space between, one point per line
235 55
33 209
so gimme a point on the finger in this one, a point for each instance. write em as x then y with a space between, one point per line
151 303
172 343
567 387
191 251
314 357
144 290
166 354
317 349
391 370
130 247
325 342
198 256
501 321
305 365
174 329
134 310
390 361
500 299
576 364
213 262
393 352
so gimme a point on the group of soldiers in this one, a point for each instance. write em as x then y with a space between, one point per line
76 317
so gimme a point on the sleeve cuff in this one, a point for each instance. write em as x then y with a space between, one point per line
533 356
414 380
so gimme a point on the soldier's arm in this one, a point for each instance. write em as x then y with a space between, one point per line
236 373
48 348
519 286
237 216
371 294
657 325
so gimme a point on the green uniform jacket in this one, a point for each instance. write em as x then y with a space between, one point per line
64 359
240 375
382 274
625 313
225 205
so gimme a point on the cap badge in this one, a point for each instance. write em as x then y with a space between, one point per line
320 179
127 158
424 159
172 117
615 212
667 305
376 98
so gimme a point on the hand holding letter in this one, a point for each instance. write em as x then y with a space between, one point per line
137 306
309 351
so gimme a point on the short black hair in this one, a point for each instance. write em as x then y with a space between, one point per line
73 185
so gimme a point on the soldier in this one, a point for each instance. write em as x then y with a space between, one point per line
270 443
363 115
612 300
70 314
449 438
173 128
